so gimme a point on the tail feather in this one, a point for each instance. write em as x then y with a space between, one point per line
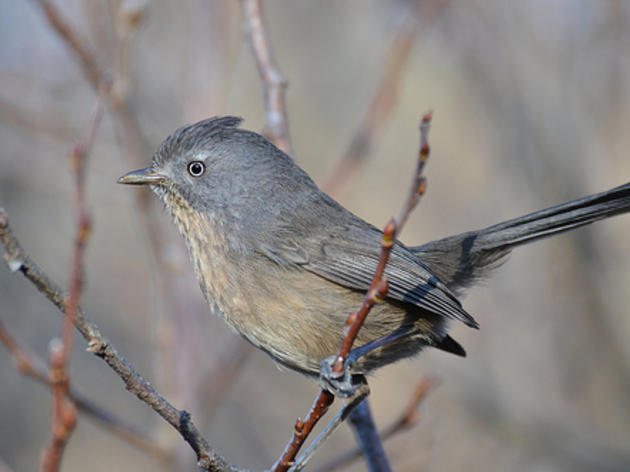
462 259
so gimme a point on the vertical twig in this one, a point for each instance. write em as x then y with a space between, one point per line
18 260
274 85
345 171
378 287
64 412
76 44
376 292
135 150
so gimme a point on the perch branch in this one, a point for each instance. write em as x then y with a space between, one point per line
18 260
376 292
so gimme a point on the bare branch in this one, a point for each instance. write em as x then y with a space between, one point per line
274 85
376 292
18 260
378 287
64 413
302 430
125 21
32 366
78 45
407 419
346 170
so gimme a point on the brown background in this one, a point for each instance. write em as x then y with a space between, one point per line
531 109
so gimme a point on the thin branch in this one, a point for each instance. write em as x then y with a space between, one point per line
302 429
346 170
18 260
133 145
274 85
64 413
370 442
378 287
77 44
407 419
34 367
376 292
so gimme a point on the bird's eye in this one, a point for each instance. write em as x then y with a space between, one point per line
196 168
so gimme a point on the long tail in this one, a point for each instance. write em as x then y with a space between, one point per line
462 259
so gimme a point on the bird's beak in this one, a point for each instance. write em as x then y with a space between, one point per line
148 176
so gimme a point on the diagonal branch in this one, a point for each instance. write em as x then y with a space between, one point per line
274 85
407 419
64 413
32 366
378 287
346 170
115 87
376 292
77 44
18 260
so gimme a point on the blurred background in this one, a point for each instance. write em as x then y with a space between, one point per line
532 105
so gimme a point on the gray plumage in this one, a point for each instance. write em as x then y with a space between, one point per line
285 265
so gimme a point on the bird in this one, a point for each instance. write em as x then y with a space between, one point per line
284 264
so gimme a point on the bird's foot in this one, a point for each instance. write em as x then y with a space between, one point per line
342 384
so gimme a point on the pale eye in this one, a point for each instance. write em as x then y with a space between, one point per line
196 168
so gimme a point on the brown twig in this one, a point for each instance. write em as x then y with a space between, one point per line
18 260
376 292
64 416
408 418
345 171
32 366
378 287
64 413
274 85
302 429
76 44
134 149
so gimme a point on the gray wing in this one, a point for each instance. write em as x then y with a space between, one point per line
349 257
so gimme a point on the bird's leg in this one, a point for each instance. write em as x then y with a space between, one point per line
362 390
344 384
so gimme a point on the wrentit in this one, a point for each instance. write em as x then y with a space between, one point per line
284 264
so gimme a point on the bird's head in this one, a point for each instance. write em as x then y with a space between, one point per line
216 171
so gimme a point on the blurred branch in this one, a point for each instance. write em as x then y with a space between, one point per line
64 412
78 45
64 415
4 467
370 442
125 21
18 260
376 292
32 366
46 121
408 418
274 85
346 170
